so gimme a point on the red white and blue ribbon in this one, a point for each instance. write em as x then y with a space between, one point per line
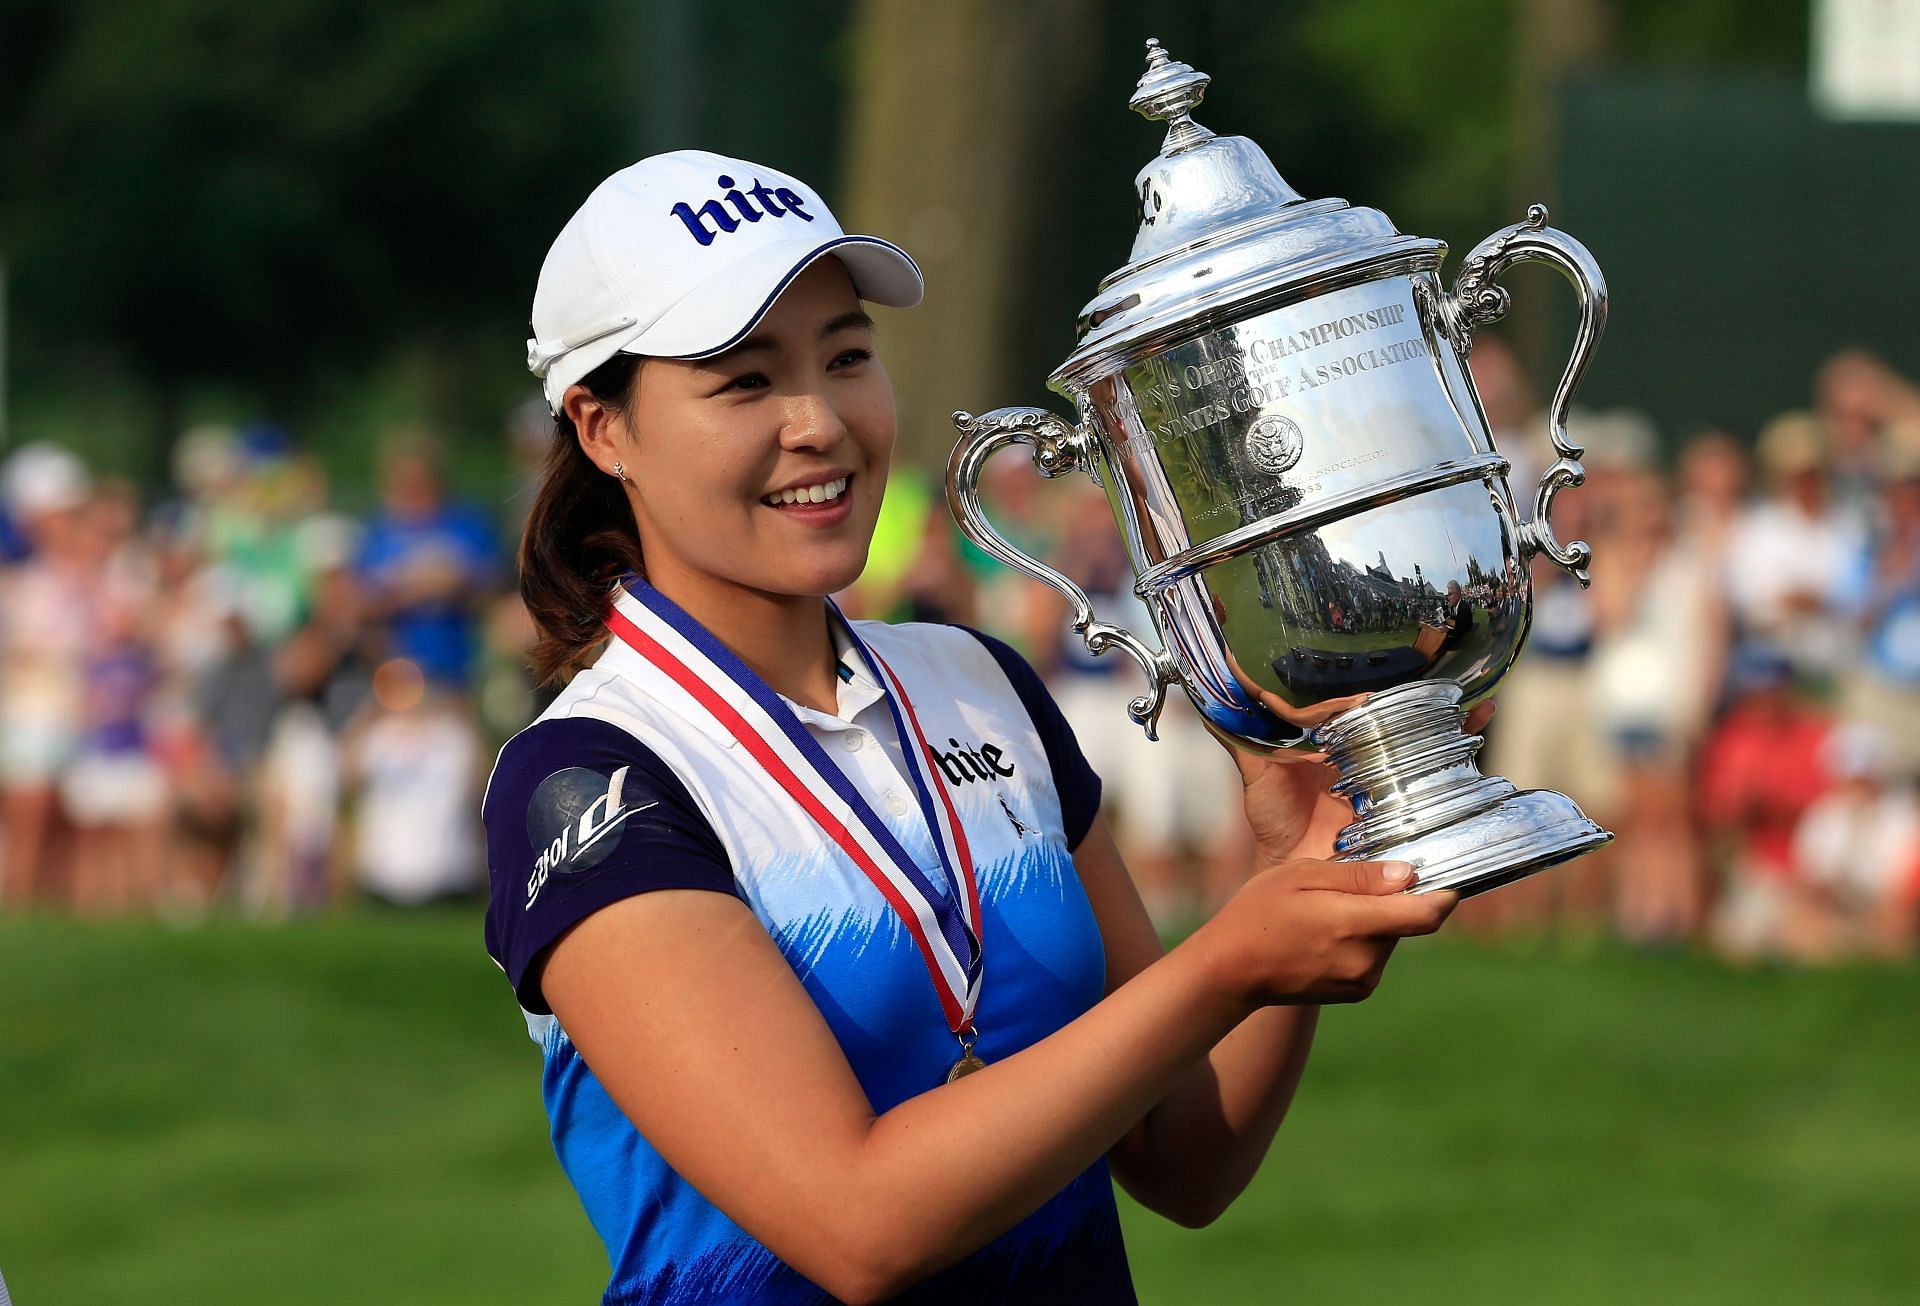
945 928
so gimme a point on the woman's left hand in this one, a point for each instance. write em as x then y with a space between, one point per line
1290 805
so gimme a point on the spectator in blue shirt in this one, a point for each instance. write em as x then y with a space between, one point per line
1882 593
427 563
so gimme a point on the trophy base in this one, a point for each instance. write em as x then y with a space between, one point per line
1528 832
1406 764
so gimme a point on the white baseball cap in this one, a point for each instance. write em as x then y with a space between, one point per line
42 477
679 255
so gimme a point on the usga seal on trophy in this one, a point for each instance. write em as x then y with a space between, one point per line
1273 393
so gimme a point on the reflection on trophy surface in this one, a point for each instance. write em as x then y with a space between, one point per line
1273 394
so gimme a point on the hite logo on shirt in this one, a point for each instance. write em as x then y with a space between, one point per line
966 764
573 821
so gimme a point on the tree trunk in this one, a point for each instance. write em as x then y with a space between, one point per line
954 111
1558 39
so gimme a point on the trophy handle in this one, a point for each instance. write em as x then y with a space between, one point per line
1058 448
1477 299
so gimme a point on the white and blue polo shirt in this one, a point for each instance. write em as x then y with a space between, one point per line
612 793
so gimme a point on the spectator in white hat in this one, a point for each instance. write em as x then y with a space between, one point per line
1857 851
1791 551
46 613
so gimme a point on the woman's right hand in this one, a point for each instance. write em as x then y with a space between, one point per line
1318 932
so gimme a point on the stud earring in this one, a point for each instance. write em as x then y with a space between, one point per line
620 473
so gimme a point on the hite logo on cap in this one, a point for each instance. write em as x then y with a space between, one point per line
574 820
775 203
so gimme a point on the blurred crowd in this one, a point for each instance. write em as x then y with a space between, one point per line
243 697
1737 695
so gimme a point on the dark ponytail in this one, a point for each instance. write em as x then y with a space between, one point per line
579 539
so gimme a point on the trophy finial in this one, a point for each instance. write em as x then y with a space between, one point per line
1168 91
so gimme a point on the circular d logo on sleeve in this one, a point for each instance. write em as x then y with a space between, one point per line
574 820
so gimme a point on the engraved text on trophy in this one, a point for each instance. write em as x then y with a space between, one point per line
1289 407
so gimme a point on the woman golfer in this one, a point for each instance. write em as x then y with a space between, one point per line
840 982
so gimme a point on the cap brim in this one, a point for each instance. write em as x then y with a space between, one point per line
719 313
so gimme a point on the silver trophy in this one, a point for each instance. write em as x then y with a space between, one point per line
1273 394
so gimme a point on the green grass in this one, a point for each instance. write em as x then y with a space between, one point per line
343 1111
349 1110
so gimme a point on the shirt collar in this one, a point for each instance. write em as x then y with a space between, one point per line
856 687
854 693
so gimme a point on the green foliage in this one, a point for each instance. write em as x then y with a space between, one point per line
1723 34
1436 82
283 204
279 199
203 192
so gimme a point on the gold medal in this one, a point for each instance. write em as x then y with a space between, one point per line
965 1066
968 1063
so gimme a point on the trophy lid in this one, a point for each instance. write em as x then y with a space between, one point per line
1221 235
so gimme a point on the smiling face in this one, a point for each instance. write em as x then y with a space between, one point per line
758 471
